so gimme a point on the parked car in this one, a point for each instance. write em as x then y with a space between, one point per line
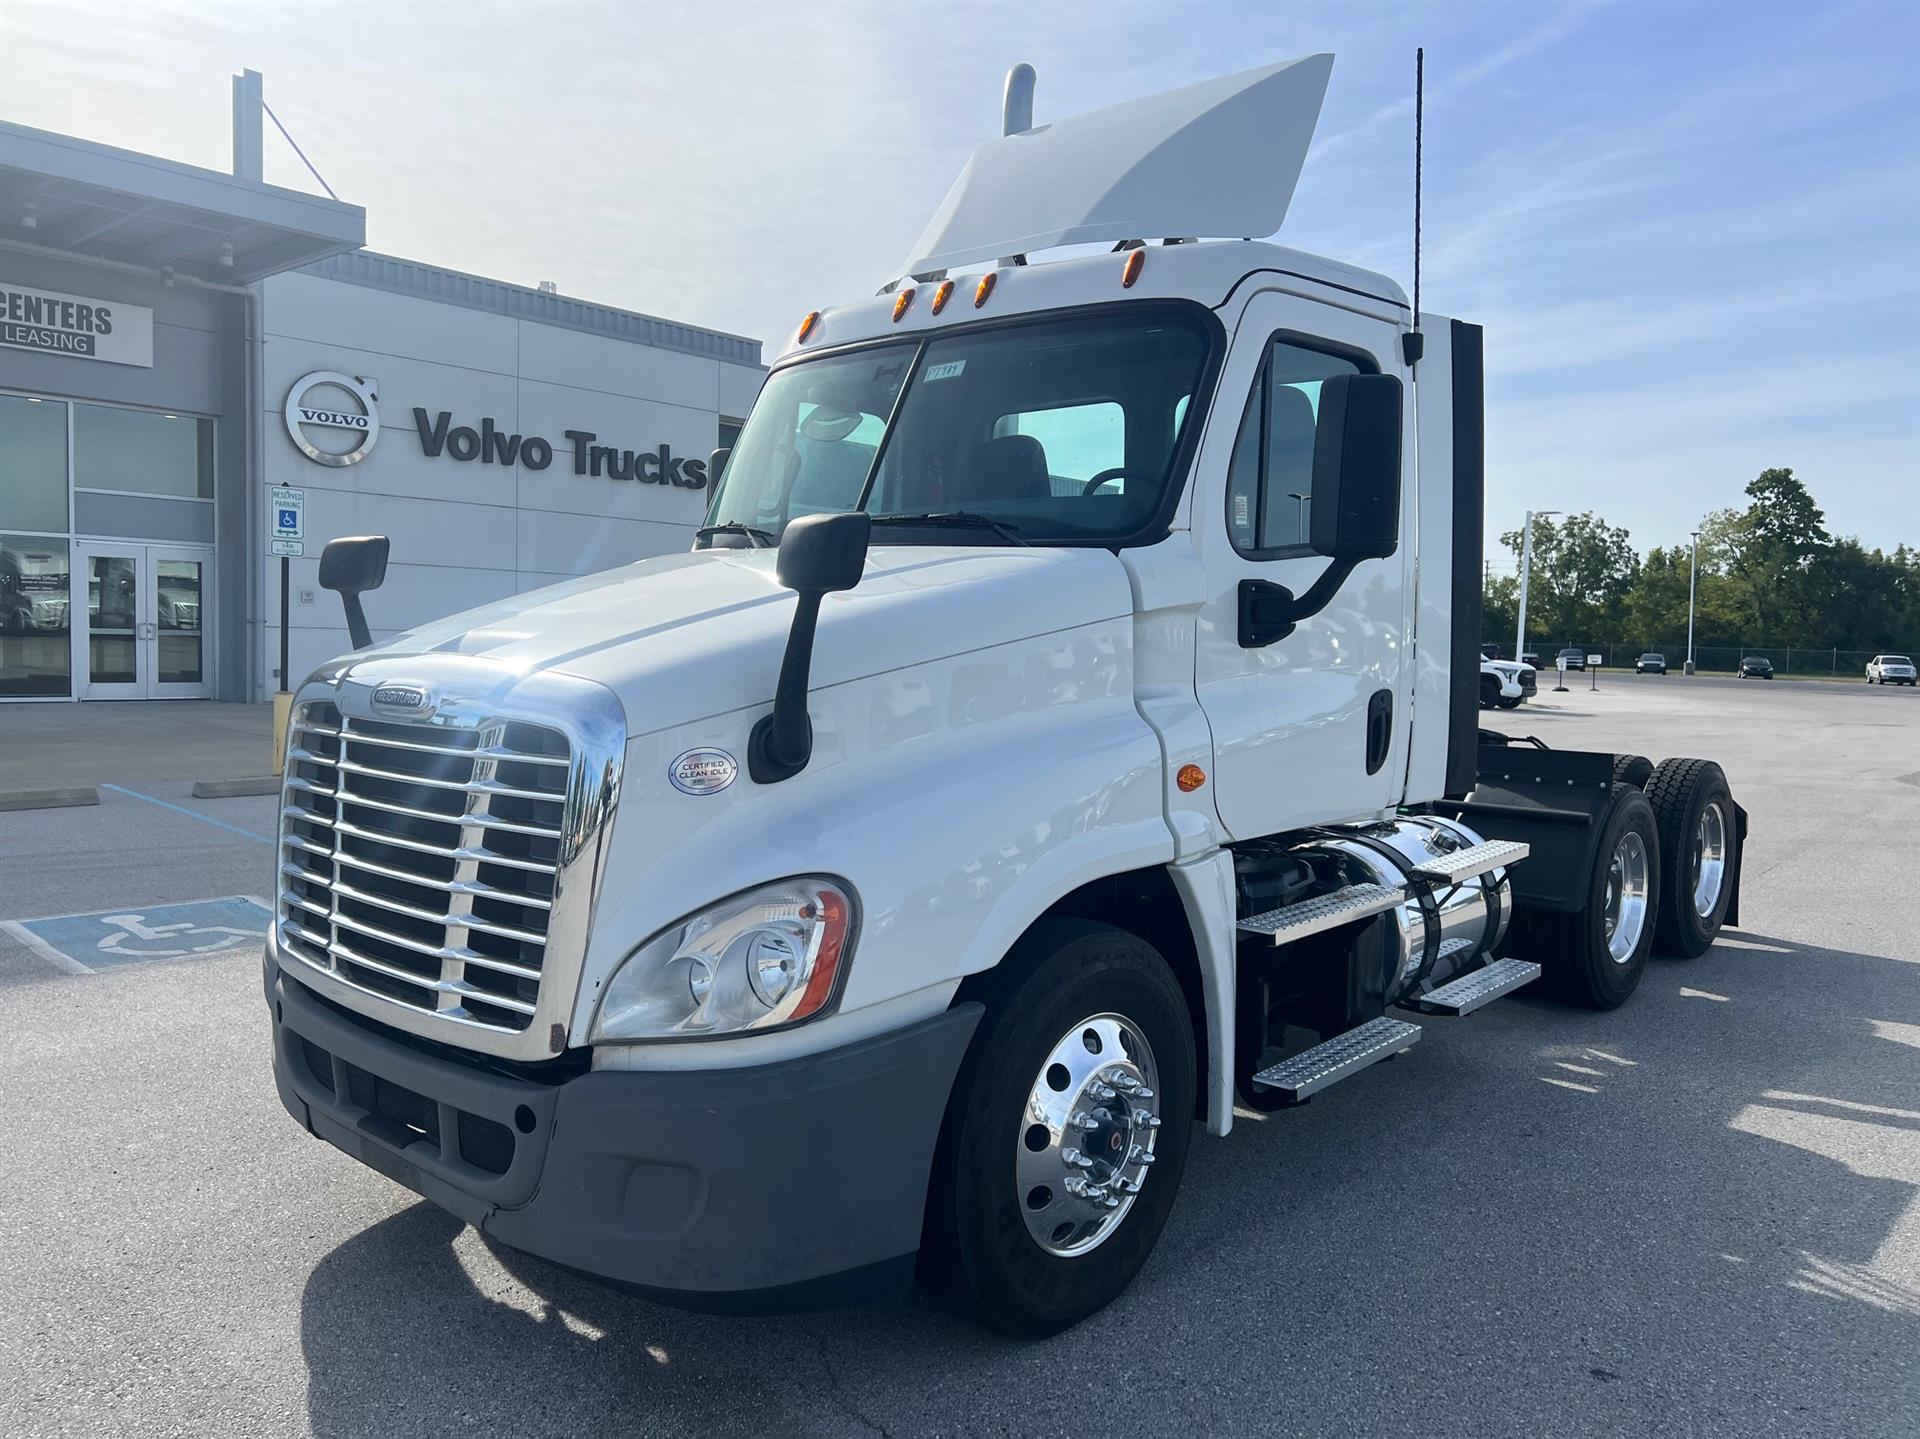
1505 684
1890 670
1753 667
1530 658
1571 658
1650 665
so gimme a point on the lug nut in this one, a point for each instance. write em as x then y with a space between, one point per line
1076 1159
1103 1091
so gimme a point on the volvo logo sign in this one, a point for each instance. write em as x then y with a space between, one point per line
340 409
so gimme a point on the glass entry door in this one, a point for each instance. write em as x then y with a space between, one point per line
144 635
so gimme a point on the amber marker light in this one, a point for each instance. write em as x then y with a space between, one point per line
901 303
1190 778
808 326
1131 272
984 288
942 295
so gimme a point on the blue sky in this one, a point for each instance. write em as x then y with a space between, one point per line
1692 231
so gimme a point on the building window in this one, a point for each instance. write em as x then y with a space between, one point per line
33 464
729 432
35 627
143 453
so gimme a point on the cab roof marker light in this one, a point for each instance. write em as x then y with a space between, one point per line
984 288
901 302
942 295
807 327
1136 260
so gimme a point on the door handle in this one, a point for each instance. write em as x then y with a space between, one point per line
1379 729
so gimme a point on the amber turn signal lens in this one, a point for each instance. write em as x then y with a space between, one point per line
900 303
1190 778
1131 272
942 295
807 326
984 288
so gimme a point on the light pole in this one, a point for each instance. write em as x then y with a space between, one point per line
1526 564
1693 582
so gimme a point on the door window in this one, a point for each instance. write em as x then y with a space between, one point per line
1270 477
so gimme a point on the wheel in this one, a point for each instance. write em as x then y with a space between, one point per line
1695 809
1595 958
1511 704
1066 1133
1633 769
1489 692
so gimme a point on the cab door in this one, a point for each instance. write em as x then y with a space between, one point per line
1311 728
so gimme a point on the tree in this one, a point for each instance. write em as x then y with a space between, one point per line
1583 568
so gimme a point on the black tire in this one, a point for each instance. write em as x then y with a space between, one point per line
1681 791
977 1253
1633 769
1489 692
1512 704
1574 950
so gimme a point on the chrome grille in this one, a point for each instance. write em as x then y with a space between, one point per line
420 863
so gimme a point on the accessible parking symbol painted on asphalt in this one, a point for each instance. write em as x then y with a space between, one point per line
82 943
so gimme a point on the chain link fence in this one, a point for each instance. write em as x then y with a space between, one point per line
1721 659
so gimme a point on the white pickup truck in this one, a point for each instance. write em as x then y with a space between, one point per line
1063 730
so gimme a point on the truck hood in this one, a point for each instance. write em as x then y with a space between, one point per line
682 637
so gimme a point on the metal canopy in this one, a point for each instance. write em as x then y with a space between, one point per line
97 202
1216 159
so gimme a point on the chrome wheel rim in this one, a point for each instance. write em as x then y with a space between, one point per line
1628 884
1709 859
1085 1140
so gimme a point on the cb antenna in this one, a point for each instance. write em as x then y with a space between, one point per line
1413 343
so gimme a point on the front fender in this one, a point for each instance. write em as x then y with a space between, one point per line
959 799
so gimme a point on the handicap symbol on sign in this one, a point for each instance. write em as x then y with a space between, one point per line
289 519
131 927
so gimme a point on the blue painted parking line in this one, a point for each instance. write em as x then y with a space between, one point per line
189 813
83 943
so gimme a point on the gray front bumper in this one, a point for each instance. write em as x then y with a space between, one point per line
778 1186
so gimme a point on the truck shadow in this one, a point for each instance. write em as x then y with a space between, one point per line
1696 1213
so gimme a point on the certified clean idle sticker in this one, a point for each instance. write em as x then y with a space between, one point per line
702 771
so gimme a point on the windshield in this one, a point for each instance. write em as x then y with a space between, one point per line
1061 429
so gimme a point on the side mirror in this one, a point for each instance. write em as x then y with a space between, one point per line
1354 514
818 555
350 567
716 462
1355 511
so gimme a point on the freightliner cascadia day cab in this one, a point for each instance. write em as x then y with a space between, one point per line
1063 729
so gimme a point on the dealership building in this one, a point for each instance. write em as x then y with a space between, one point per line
203 375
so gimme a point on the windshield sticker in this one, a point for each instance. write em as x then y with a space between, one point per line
946 371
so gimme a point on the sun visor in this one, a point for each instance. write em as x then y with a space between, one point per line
1217 159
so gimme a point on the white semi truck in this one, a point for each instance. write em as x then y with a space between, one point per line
1063 730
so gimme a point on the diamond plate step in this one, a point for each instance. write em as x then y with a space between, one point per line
1332 1060
1465 864
1481 987
1326 911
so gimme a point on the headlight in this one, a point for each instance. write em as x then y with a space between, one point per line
769 957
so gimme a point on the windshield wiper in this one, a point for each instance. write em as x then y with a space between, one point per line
958 519
758 538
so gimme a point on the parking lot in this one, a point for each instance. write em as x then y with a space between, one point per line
1699 1214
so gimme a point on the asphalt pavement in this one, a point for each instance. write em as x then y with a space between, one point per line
1699 1214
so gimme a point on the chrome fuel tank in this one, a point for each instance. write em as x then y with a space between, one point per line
1442 938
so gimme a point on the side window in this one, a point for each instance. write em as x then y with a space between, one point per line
1079 441
1270 477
